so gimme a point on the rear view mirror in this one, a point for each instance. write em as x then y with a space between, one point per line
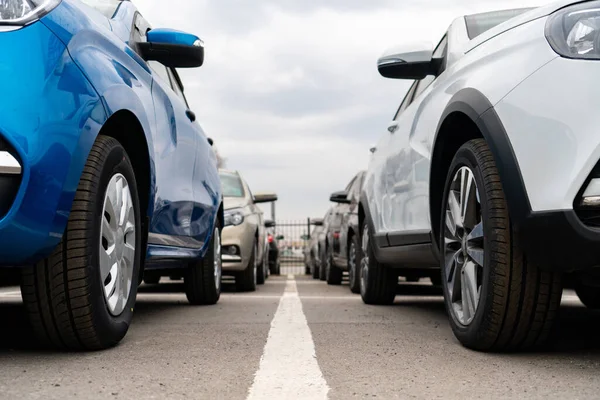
265 198
317 221
340 197
407 62
173 49
269 224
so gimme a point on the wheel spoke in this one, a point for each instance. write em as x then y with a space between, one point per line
453 268
450 224
468 199
476 255
476 234
111 204
470 290
109 289
119 205
129 254
108 232
108 259
126 207
455 212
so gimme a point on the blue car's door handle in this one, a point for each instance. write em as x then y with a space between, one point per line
191 115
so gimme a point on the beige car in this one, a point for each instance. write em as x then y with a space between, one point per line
244 239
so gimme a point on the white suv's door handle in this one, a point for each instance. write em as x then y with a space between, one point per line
393 128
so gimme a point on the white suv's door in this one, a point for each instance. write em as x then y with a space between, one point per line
405 206
382 173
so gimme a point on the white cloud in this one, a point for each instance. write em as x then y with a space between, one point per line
290 92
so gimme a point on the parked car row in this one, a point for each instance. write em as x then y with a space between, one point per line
487 179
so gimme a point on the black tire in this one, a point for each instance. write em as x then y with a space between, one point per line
203 279
278 268
151 279
63 294
333 274
261 273
315 268
323 266
378 284
588 294
354 265
246 280
518 302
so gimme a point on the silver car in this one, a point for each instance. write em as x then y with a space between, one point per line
244 239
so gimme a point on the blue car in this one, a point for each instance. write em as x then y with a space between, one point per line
105 175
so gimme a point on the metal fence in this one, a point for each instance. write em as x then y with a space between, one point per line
292 241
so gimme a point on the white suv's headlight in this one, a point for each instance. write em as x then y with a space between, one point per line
234 217
23 12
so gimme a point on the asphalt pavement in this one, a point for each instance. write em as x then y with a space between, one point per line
297 338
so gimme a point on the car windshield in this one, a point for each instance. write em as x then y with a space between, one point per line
106 7
232 185
480 23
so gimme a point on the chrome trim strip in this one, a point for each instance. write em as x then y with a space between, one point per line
174 241
8 164
228 258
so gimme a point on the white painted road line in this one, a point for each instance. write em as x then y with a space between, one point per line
288 367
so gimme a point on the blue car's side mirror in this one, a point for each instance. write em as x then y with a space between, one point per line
173 48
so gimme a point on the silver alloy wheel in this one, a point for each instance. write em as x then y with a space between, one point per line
217 263
364 262
463 246
352 262
117 244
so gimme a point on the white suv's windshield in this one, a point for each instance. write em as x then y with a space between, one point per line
479 23
106 7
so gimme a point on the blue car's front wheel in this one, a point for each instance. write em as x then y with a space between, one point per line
82 296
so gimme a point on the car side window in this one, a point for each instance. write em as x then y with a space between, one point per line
355 190
407 100
160 71
439 53
176 85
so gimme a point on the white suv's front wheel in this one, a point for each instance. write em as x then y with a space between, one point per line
496 299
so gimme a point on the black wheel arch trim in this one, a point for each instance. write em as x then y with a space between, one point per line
544 236
480 110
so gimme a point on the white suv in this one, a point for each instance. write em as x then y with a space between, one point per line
490 171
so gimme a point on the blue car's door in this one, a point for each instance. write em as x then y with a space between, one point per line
206 181
174 144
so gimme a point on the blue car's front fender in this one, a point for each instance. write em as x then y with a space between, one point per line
62 78
48 111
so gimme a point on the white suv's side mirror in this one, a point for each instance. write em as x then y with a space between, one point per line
409 61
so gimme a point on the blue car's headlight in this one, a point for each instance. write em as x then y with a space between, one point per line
23 12
574 32
234 217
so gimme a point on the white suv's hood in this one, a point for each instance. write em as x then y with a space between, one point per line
536 13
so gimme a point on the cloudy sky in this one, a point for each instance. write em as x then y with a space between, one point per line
290 91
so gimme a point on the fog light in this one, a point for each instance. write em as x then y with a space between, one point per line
232 250
591 196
